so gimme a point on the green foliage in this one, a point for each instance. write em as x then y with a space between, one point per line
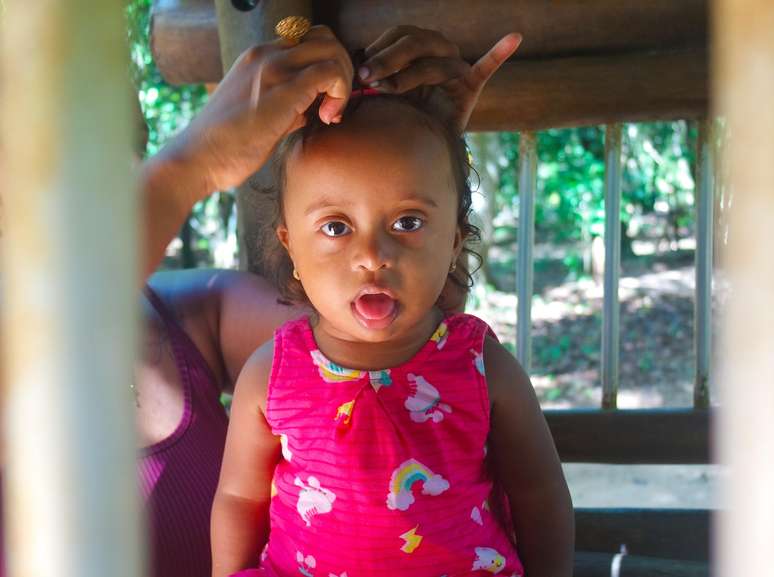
167 108
571 177
208 237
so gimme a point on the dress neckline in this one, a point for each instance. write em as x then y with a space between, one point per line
436 342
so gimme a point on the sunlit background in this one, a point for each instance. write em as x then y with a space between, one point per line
657 285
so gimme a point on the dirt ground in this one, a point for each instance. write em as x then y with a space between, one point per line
659 486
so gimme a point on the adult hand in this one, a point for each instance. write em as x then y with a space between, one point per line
262 98
406 57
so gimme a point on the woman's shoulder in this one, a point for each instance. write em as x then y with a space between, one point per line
228 313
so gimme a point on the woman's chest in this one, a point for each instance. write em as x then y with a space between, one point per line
158 390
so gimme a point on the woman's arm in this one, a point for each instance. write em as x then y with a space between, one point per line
528 467
240 512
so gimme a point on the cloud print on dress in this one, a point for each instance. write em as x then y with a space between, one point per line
411 472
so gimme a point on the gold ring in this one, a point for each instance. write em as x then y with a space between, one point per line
293 28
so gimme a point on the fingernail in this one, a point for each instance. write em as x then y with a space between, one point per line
363 72
374 84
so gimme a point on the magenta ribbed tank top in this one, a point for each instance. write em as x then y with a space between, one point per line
383 471
178 476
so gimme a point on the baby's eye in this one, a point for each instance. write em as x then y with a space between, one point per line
335 228
408 224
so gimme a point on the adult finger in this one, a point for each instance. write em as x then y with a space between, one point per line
327 78
318 44
424 72
389 37
307 53
401 53
488 64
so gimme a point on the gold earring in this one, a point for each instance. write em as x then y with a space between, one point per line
453 266
296 275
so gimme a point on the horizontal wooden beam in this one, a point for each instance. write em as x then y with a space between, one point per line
632 61
185 45
599 565
564 92
184 41
550 29
665 533
657 436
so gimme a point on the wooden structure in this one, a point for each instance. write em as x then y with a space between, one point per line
580 63
583 61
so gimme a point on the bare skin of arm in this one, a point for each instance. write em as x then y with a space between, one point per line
528 467
240 512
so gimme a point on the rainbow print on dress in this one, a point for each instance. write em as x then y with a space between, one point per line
403 479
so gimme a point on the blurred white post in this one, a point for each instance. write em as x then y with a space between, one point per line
744 88
69 290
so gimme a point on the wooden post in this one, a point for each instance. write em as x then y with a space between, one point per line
237 32
69 272
744 84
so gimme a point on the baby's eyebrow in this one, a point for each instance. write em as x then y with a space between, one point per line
325 202
421 199
322 202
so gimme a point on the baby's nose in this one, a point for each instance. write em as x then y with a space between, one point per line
375 251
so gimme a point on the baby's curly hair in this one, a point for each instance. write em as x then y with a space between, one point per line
278 268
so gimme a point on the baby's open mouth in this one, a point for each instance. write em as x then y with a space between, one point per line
375 311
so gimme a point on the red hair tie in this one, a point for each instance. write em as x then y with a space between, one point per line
365 92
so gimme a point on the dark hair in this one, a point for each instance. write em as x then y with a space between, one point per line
277 264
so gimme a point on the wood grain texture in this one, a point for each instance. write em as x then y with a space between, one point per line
648 436
534 95
598 565
663 533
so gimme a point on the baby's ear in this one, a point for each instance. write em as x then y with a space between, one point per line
458 243
283 237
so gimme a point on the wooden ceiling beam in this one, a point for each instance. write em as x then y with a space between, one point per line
582 61
565 92
185 32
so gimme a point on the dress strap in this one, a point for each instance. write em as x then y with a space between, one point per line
170 323
183 347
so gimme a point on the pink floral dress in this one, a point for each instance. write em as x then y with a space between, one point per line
383 471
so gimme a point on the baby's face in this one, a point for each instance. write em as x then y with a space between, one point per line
371 222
